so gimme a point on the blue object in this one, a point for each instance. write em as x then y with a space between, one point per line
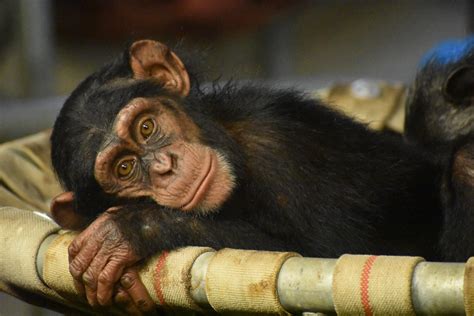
448 52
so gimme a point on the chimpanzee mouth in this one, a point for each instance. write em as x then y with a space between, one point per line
204 184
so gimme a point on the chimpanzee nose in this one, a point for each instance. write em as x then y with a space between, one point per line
162 164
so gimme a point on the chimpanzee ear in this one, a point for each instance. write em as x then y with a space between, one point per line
459 86
151 59
62 210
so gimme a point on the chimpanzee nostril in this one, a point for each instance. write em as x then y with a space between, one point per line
163 163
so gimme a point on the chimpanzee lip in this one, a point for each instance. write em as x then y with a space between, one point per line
203 187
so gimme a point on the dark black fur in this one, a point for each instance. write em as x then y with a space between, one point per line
440 109
440 119
309 179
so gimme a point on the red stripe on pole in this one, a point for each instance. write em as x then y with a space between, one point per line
159 268
364 285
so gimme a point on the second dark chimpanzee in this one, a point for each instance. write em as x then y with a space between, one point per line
440 107
440 119
227 166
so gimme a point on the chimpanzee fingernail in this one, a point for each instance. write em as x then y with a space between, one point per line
142 304
126 282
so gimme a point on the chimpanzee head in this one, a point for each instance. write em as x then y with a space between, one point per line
440 105
126 133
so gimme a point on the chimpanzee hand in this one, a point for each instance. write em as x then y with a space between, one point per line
106 251
132 296
98 257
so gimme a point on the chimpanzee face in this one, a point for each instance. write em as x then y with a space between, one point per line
154 150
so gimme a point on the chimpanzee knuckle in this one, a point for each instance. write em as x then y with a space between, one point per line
108 231
123 246
113 242
73 249
110 250
89 279
106 277
101 234
124 257
128 280
77 268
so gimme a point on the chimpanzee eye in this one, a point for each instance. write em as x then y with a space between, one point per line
147 127
124 168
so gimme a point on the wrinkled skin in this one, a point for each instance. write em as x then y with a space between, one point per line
132 295
94 246
168 163
100 259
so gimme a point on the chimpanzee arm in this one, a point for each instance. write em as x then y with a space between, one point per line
119 238
457 239
150 228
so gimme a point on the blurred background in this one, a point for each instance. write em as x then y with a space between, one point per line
48 46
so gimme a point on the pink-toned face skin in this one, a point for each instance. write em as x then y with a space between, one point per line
155 152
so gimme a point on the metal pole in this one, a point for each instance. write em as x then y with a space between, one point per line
304 285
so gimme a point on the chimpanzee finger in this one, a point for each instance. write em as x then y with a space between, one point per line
108 277
131 282
79 264
90 278
84 239
79 286
124 301
91 295
75 247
